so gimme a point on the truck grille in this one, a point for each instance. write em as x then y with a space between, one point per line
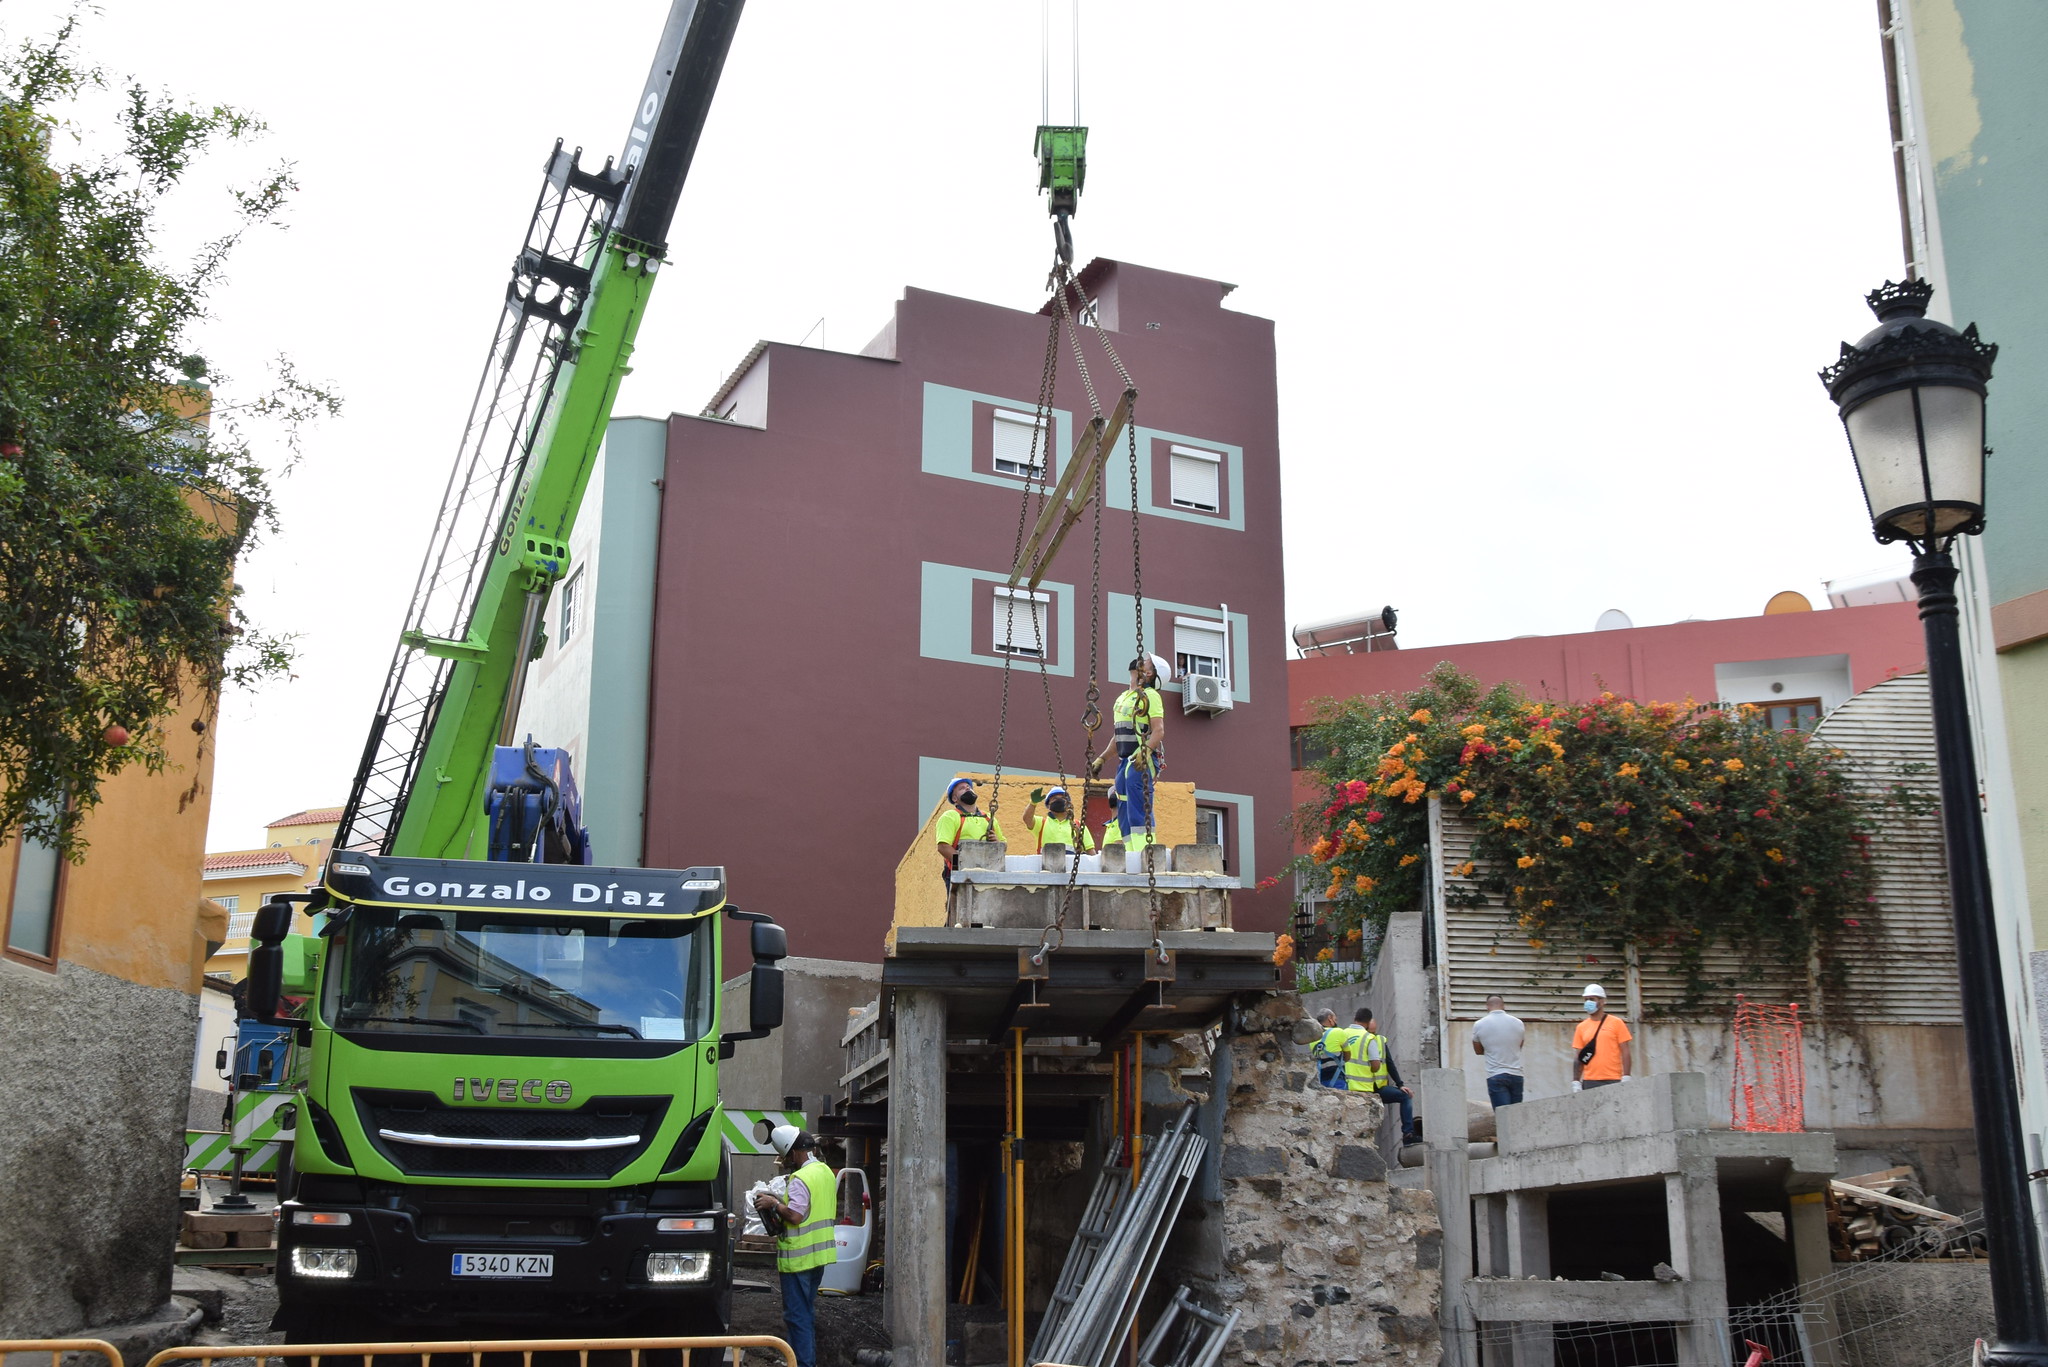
423 1136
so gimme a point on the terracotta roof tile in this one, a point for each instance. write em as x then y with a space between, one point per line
252 859
312 816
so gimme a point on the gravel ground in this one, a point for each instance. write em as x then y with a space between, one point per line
845 1323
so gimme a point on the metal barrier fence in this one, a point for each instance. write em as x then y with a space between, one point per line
57 1348
474 1350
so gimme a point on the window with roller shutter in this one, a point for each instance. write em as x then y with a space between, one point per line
1197 478
1020 623
1018 446
1197 648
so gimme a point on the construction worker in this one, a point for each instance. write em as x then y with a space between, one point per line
1061 825
960 821
1600 1043
1138 736
1329 1051
1369 1067
803 1250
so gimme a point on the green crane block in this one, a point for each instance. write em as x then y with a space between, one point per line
1062 166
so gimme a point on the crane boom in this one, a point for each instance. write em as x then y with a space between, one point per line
579 290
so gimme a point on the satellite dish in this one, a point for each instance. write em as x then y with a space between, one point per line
1614 619
1789 600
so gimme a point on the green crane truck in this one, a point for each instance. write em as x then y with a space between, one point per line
507 1062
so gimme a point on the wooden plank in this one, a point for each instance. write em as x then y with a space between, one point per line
1058 498
1076 506
1842 1188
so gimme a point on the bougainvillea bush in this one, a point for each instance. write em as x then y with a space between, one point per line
1612 822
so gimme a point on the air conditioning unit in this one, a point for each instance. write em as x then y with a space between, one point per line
1201 693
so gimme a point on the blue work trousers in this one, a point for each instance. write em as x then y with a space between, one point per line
1407 1104
800 1313
1134 784
1504 1089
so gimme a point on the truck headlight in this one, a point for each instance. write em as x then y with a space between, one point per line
678 1267
333 1263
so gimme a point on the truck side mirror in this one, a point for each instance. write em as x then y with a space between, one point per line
764 1001
770 943
272 922
266 978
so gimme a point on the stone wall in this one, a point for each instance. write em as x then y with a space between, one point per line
1327 1262
96 1074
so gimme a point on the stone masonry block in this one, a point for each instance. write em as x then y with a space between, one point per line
983 854
1198 859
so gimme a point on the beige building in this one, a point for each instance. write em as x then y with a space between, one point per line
293 852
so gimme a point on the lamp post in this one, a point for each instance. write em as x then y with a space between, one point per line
1911 394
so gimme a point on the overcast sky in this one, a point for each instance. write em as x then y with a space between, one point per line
1551 281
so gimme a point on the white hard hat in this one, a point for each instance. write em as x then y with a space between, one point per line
784 1138
1594 990
1162 668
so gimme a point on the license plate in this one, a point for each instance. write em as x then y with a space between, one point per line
504 1265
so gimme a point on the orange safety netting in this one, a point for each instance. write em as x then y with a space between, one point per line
1769 1087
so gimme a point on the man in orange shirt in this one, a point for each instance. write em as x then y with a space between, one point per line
1600 1055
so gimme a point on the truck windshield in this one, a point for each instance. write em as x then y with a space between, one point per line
523 975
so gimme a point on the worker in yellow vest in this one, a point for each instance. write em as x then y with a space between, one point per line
804 1248
961 821
1061 826
1369 1067
1138 736
1329 1051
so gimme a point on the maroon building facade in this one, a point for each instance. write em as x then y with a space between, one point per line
829 611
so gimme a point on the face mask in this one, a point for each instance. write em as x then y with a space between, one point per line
1592 1005
1057 808
967 799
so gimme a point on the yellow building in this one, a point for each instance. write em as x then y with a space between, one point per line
290 860
99 981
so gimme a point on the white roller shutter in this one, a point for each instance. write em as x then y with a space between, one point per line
1013 443
1020 625
1197 478
1198 640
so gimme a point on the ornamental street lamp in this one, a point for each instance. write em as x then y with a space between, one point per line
1911 394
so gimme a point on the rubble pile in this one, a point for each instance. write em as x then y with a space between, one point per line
1889 1215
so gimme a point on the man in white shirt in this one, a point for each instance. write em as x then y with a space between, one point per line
1497 1037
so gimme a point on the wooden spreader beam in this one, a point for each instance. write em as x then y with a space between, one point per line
1069 498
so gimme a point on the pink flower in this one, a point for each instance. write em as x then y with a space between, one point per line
1851 921
1356 791
1585 723
1375 818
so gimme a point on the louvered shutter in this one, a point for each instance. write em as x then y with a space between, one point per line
1013 442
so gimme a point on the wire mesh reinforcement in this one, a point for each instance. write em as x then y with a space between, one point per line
1768 1087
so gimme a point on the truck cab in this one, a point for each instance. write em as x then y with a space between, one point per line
510 1094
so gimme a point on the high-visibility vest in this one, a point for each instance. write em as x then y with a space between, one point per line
1365 1060
809 1245
965 828
1332 1042
1126 725
1054 831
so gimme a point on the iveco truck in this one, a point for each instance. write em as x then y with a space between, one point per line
509 1100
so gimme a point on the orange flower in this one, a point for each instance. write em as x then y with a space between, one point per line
1408 859
1565 841
1680 765
1526 861
1586 826
1420 714
1731 764
1628 771
1363 885
1283 950
1513 745
1775 856
1464 870
1322 851
1325 954
1467 795
1353 935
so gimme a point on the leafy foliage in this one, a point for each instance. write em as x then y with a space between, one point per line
1611 822
127 488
